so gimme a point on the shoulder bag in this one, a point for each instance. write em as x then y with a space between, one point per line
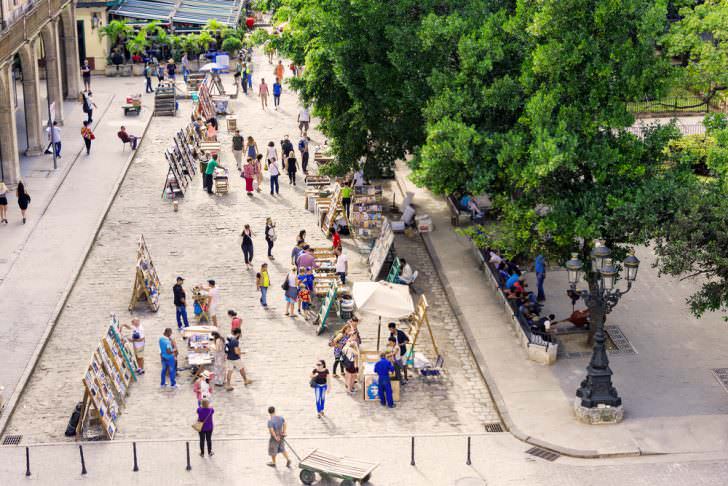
200 423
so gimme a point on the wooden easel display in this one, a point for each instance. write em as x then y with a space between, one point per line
183 148
176 182
383 248
326 303
106 383
146 282
335 208
418 320
205 107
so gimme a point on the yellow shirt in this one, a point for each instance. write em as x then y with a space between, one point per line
264 280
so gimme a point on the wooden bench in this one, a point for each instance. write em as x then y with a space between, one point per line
131 109
455 211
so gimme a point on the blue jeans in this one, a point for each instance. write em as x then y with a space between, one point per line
342 276
57 146
540 277
320 397
250 80
274 184
182 313
185 73
169 366
385 393
264 296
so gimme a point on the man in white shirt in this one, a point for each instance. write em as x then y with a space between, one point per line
408 216
358 178
495 258
406 275
304 118
342 265
54 137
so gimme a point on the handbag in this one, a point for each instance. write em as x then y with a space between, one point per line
200 423
313 383
286 285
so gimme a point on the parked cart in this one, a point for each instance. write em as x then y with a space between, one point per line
347 469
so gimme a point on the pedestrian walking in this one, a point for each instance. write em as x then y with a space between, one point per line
160 74
274 172
202 387
171 70
271 153
238 146
540 269
218 347
301 238
248 174
346 199
234 362
270 236
350 360
280 70
86 75
185 67
320 385
258 164
383 368
262 282
342 265
235 321
263 93
180 303
303 148
249 73
88 106
247 246
304 118
244 78
23 199
276 445
87 136
205 425
290 287
148 78
291 167
54 137
286 147
251 147
277 89
138 341
213 294
168 360
4 204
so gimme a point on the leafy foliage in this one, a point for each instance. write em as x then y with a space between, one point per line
116 31
232 45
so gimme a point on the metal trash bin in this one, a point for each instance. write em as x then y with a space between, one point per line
346 307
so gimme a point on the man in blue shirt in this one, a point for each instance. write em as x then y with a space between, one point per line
512 280
382 369
167 352
540 269
277 88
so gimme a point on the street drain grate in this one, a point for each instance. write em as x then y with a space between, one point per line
620 341
721 374
543 454
496 427
12 439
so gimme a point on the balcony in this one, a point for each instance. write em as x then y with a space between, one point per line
28 26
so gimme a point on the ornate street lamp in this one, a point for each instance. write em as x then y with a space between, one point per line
598 400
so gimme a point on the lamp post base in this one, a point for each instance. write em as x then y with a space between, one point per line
601 414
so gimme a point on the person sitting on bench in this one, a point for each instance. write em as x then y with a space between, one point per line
406 275
125 137
408 216
467 203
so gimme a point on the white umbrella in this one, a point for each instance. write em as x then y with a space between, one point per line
210 66
383 299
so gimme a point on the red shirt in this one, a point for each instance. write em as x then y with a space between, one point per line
235 323
336 240
250 22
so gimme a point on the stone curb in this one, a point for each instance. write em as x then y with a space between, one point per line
495 394
20 387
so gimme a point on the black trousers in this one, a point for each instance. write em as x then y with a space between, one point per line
207 183
346 201
247 252
304 162
292 177
206 437
337 362
270 247
87 141
149 88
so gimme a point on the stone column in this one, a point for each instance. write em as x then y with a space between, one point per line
53 68
31 96
8 134
70 38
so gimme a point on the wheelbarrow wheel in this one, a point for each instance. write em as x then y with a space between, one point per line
366 478
307 477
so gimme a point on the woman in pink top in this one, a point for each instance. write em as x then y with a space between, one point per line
249 174
263 91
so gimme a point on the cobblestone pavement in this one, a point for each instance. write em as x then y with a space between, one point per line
202 241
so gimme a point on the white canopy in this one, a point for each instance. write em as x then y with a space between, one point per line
383 299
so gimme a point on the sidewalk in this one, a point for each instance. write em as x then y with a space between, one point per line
40 258
672 403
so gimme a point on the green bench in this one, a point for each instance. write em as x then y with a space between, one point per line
394 270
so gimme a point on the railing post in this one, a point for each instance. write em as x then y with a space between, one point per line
136 466
412 461
83 463
467 462
27 461
189 466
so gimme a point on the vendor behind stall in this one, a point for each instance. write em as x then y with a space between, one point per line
212 164
382 369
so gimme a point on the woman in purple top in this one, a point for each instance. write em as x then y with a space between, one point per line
204 415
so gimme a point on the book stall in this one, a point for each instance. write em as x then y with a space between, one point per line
200 355
334 209
106 384
382 251
366 211
205 108
325 272
146 282
176 182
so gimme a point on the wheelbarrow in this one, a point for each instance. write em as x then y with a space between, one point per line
347 469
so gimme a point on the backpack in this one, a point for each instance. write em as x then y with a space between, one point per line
301 145
228 349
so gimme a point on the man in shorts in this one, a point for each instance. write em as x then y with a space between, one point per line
304 118
276 445
234 363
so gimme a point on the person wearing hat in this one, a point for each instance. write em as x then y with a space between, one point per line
202 387
180 303
213 294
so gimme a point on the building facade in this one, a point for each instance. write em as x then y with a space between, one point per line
37 36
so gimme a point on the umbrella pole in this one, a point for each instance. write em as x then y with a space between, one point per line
379 332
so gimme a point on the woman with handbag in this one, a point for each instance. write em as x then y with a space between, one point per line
320 385
290 287
204 427
87 135
270 236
